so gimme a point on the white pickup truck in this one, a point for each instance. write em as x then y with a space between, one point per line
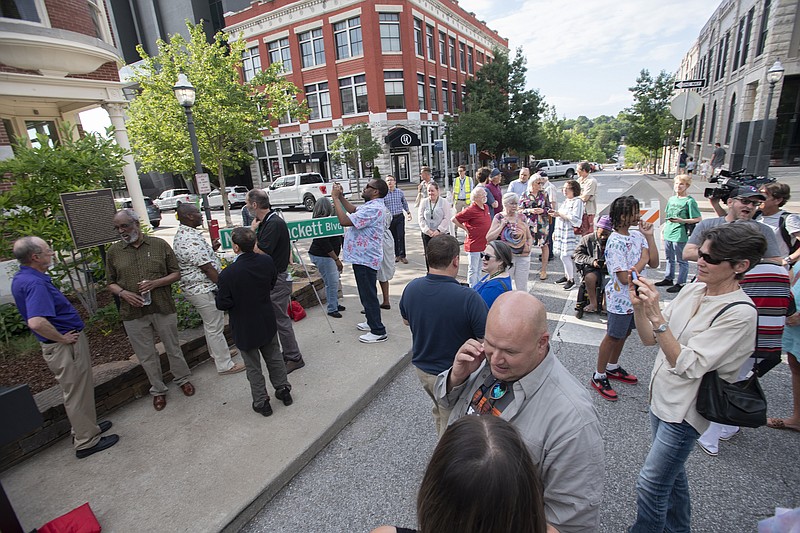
554 168
302 189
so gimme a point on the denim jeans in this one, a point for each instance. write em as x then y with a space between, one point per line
330 275
674 252
662 490
366 282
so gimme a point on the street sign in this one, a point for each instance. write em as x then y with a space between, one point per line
690 84
473 149
203 183
686 105
225 238
314 228
438 146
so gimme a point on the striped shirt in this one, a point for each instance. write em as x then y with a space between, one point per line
768 285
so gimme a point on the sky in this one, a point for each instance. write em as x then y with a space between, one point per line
583 55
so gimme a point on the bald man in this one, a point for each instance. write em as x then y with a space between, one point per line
511 374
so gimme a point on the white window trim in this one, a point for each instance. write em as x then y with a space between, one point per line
276 36
388 9
41 9
316 25
344 16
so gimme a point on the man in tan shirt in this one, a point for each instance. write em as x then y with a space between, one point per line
588 191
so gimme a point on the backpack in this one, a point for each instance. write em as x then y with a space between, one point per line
790 241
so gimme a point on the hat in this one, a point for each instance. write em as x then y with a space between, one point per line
495 172
604 222
746 191
542 173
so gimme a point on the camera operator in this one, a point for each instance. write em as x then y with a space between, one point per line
742 204
785 225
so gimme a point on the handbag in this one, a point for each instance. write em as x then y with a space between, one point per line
585 227
296 311
736 404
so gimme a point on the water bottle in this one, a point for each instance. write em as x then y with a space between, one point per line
146 297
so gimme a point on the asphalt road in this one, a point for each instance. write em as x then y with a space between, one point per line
368 475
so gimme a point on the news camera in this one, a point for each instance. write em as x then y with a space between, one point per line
728 181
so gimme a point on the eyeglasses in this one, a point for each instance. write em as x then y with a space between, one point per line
712 260
368 186
749 202
486 257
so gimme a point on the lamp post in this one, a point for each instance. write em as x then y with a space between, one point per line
774 75
185 94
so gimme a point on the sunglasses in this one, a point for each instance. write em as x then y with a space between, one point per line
486 257
368 186
712 260
749 202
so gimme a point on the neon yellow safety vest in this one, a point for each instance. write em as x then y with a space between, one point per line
457 188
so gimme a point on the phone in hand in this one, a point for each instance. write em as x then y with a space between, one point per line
634 277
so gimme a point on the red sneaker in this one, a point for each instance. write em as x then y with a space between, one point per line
604 388
621 375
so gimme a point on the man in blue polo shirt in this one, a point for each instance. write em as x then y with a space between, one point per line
442 315
59 329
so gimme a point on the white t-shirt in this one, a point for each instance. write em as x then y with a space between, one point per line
622 253
774 221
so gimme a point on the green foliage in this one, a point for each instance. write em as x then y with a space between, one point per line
376 173
228 115
106 320
499 114
21 346
188 317
649 116
33 205
578 139
11 322
353 144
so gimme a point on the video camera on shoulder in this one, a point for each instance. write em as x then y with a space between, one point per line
728 181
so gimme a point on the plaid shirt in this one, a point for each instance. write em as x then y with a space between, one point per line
396 202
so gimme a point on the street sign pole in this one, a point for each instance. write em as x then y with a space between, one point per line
446 170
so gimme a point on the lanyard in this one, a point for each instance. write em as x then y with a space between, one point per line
434 207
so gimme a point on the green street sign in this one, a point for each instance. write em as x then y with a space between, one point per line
225 238
314 228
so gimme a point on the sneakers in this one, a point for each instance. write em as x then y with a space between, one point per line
370 338
235 369
335 314
663 283
569 284
604 388
363 326
284 395
562 279
265 410
291 366
104 443
708 452
675 288
621 375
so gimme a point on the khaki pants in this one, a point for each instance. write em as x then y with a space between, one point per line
440 414
72 366
214 329
141 334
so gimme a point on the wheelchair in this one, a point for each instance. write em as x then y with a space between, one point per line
583 294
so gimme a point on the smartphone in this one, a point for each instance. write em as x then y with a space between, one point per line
634 277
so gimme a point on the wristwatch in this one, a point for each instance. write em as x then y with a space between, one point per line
789 260
661 329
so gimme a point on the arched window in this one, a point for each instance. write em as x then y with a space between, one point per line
713 124
697 131
731 116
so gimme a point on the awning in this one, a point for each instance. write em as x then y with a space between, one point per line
298 158
319 157
402 138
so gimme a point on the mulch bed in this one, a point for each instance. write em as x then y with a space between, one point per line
33 370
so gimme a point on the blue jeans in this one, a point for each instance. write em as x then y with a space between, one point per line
674 251
662 490
366 282
330 275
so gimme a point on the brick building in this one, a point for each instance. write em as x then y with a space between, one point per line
734 51
398 65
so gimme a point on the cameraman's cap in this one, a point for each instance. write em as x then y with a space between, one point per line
746 191
495 172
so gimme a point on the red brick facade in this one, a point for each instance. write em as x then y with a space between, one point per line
72 15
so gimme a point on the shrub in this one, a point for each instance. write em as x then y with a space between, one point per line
188 317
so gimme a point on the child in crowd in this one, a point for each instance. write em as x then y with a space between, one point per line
690 166
625 251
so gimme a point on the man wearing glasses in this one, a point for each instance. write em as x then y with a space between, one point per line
363 248
511 374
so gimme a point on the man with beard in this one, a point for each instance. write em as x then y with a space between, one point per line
363 248
140 270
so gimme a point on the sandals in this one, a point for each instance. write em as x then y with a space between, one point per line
778 423
542 275
589 310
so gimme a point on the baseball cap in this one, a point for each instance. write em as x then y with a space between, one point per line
604 222
746 191
495 172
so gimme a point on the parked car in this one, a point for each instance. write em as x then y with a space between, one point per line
596 166
153 212
237 196
555 169
172 198
302 189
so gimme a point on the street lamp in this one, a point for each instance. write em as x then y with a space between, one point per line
185 94
774 75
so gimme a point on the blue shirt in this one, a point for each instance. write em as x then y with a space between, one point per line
363 242
35 295
490 289
396 202
442 315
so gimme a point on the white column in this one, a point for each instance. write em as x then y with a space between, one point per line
116 112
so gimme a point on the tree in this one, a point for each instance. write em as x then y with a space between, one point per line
649 116
499 115
228 114
355 144
33 204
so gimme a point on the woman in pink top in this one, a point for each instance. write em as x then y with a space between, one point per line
475 221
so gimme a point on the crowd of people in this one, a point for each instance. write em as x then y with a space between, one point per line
481 347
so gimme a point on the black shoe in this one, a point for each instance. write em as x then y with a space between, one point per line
562 279
568 285
335 314
105 442
342 308
265 410
291 366
664 283
105 425
284 395
675 288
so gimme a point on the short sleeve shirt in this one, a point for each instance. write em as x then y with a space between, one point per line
679 207
363 241
36 296
774 221
193 251
773 250
622 253
477 221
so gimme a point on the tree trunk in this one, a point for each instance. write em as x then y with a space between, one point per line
224 192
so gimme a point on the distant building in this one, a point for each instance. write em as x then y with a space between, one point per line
398 65
736 47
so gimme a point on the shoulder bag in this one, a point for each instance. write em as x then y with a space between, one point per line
736 404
